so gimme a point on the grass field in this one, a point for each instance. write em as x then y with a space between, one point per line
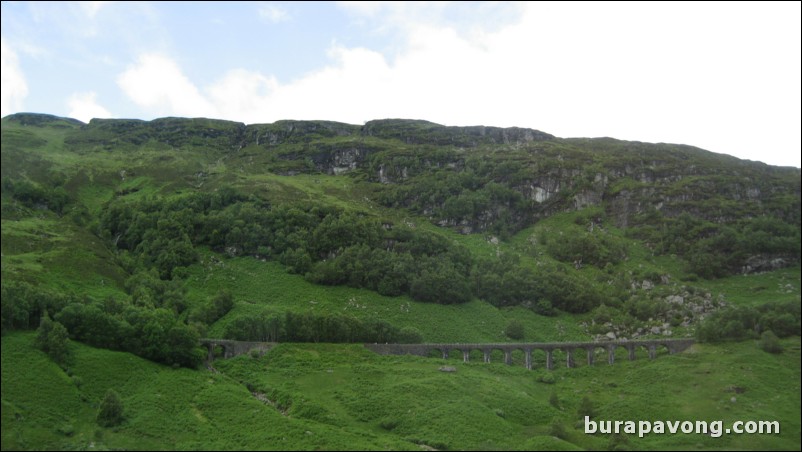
341 396
260 286
324 396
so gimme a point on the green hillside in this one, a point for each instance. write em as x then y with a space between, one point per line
142 237
344 397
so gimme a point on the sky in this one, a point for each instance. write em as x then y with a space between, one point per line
720 76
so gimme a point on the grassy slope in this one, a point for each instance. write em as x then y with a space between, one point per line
165 408
344 397
267 285
366 401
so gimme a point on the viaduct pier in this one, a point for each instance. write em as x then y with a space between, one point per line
569 348
229 349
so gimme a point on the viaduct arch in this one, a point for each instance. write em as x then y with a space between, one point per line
571 349
231 349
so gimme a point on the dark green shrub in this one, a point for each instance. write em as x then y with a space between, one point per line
770 343
515 330
110 412
52 338
585 408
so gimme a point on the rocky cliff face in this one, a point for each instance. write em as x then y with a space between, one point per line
170 133
424 132
473 178
282 132
176 131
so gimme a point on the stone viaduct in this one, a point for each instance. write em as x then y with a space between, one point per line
569 348
231 349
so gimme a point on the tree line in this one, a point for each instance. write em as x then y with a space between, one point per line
155 333
750 322
312 327
332 246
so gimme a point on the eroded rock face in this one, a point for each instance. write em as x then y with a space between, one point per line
543 188
424 132
628 180
281 132
346 159
41 119
587 198
759 264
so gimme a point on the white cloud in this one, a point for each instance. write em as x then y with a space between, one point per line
355 85
362 8
402 18
92 8
273 14
84 107
646 72
156 83
31 50
241 94
14 87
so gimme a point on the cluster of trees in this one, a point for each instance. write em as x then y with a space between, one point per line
145 329
156 334
53 339
147 325
714 250
748 322
312 327
33 195
479 195
23 306
335 247
213 311
503 281
424 265
328 245
576 246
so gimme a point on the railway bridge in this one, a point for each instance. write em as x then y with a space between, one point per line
570 349
229 349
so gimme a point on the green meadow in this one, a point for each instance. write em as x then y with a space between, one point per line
142 237
328 396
